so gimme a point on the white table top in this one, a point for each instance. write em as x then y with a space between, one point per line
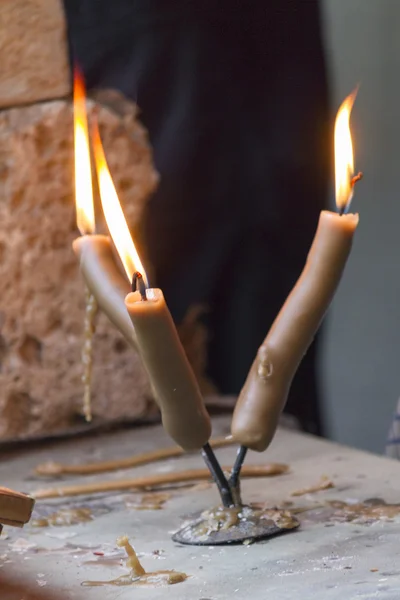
321 560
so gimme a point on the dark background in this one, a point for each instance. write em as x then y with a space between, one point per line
234 95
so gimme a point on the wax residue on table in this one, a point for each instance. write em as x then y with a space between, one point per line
64 517
137 576
324 484
337 511
150 501
221 518
369 511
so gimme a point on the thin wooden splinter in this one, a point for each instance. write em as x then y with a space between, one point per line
54 468
87 352
156 480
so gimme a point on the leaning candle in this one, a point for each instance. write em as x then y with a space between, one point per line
176 390
104 280
267 386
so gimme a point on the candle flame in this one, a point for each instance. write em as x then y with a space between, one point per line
113 212
83 176
344 161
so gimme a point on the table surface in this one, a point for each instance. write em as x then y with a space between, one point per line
322 559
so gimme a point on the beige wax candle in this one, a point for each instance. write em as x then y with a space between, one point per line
184 415
105 281
264 394
267 386
175 387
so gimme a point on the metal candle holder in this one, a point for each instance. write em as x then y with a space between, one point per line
236 523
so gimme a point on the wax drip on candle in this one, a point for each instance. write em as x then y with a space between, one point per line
87 352
85 219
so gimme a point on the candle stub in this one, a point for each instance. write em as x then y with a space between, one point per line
105 281
177 393
265 392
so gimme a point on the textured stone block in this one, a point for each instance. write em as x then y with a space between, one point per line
41 290
33 49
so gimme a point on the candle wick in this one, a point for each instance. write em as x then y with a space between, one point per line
139 285
353 181
356 178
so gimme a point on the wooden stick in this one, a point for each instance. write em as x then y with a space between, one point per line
154 481
54 468
15 508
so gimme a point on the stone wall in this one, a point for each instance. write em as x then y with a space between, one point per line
42 293
41 290
33 50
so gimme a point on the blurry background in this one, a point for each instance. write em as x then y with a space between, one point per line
360 360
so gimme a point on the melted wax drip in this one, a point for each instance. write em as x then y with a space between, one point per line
137 575
87 352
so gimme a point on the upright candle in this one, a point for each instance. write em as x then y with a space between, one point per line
177 393
265 392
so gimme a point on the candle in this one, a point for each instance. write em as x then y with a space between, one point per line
267 386
105 281
102 275
176 390
174 384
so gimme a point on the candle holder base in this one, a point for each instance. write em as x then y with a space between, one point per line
237 525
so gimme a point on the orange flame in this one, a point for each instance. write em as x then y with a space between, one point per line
83 177
344 161
113 213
